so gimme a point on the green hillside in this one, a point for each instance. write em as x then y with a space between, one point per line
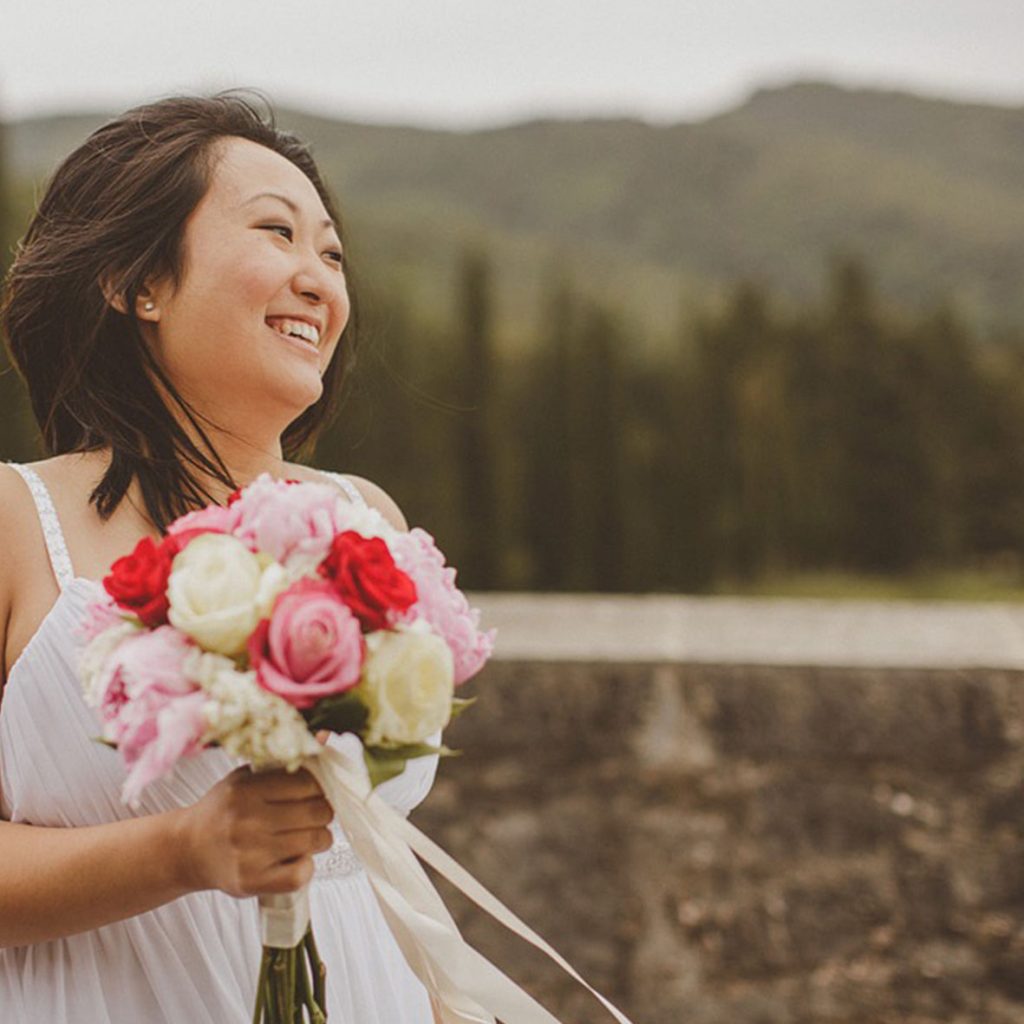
930 192
529 389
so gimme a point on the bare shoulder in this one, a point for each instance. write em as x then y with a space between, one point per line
376 497
17 514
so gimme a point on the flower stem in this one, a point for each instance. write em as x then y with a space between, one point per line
278 987
261 988
292 985
318 969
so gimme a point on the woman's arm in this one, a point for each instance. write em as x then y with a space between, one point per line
55 881
252 833
58 881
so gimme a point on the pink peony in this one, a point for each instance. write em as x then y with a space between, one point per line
441 603
294 525
167 732
212 519
99 616
310 647
155 660
150 708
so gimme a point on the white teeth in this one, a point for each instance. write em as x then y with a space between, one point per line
299 327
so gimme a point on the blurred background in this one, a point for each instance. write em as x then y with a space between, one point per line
694 333
716 297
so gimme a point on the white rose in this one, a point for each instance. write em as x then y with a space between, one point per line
218 590
408 684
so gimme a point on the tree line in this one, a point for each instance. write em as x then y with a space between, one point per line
768 439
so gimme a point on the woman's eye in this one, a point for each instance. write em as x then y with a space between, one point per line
334 254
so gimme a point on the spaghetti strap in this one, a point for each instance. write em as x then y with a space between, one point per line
353 492
56 547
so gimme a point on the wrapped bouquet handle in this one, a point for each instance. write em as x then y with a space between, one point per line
284 918
464 986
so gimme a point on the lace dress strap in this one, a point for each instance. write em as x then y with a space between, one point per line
353 492
56 547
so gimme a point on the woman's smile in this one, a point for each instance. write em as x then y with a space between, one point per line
300 344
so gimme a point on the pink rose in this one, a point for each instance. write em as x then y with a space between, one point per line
293 524
441 603
310 647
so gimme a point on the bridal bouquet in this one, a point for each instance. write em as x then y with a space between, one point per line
253 626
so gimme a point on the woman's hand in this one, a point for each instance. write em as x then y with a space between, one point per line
255 833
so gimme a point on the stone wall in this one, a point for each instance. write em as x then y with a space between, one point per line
753 843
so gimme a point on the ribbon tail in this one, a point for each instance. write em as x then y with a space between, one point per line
465 984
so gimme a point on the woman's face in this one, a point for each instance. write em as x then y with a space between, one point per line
252 262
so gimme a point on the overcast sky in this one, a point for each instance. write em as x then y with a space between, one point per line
465 63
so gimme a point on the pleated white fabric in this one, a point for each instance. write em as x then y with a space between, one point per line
194 960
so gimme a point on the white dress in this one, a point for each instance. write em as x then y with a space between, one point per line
194 960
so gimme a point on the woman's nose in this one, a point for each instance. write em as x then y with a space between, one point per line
317 281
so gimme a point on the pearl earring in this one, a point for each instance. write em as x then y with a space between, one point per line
149 307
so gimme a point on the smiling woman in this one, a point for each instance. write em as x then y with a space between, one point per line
251 325
174 231
183 315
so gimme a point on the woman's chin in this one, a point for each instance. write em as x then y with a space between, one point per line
300 395
296 373
290 391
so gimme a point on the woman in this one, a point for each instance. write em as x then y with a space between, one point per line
179 311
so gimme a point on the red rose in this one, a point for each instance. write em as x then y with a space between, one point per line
366 577
138 582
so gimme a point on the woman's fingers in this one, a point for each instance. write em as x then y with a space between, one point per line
288 877
284 787
302 814
300 843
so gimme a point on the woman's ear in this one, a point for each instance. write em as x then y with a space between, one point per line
146 307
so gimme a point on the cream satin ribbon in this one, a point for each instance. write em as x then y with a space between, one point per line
465 987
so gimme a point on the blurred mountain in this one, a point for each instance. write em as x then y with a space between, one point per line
929 192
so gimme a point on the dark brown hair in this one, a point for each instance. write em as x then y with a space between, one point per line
113 216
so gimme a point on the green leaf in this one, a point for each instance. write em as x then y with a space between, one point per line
385 762
459 704
381 768
408 751
344 713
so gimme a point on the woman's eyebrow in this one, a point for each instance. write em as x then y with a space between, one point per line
328 223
